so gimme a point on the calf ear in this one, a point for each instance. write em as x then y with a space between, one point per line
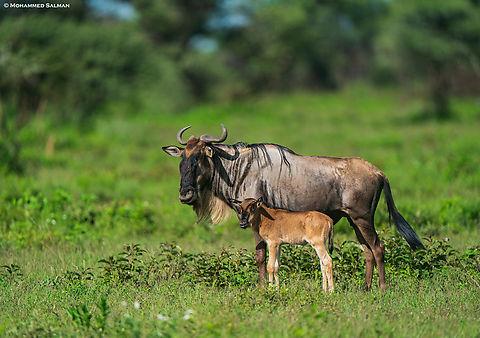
173 151
235 204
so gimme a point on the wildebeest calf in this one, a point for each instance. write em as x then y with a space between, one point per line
278 226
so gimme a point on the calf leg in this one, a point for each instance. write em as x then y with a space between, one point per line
275 273
326 266
272 257
260 253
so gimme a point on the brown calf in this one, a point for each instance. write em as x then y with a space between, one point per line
278 226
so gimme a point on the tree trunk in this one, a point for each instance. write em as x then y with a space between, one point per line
440 95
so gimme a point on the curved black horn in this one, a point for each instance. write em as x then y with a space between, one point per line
179 135
211 139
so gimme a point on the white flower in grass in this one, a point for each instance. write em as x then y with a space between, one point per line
188 314
136 304
124 303
162 318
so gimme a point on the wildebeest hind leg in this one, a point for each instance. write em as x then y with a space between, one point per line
369 258
369 234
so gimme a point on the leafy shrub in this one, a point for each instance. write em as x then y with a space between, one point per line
223 269
125 266
238 268
422 263
90 320
10 273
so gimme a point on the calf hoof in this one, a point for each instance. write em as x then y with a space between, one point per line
273 286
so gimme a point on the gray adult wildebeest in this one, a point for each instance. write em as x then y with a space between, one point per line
212 174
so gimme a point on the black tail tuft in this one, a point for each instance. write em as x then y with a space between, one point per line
403 227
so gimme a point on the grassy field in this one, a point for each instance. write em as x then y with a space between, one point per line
110 184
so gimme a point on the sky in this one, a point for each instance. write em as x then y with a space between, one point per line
119 9
230 13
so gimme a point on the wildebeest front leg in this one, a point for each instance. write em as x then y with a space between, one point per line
260 253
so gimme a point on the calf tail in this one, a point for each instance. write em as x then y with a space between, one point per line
402 225
330 240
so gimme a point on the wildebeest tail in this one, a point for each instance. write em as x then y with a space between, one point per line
402 225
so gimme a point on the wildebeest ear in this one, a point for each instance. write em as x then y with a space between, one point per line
173 151
208 151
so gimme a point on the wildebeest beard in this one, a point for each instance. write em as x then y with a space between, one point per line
241 171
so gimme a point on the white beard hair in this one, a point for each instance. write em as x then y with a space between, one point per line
211 208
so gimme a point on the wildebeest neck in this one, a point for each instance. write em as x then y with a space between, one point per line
240 169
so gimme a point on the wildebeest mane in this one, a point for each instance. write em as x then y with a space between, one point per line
259 152
230 172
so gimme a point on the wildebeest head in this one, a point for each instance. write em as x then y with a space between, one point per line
196 165
246 210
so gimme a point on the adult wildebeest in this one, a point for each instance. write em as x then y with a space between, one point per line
213 173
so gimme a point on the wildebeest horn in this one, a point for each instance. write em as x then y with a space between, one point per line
179 135
211 139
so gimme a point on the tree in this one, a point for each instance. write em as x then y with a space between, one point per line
306 43
433 41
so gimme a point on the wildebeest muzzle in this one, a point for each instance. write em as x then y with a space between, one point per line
187 196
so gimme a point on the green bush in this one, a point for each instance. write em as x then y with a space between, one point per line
74 67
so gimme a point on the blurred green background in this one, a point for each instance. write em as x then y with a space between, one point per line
90 94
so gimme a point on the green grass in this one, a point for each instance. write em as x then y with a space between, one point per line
440 307
146 295
111 184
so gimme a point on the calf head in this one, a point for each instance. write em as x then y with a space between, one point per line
246 210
